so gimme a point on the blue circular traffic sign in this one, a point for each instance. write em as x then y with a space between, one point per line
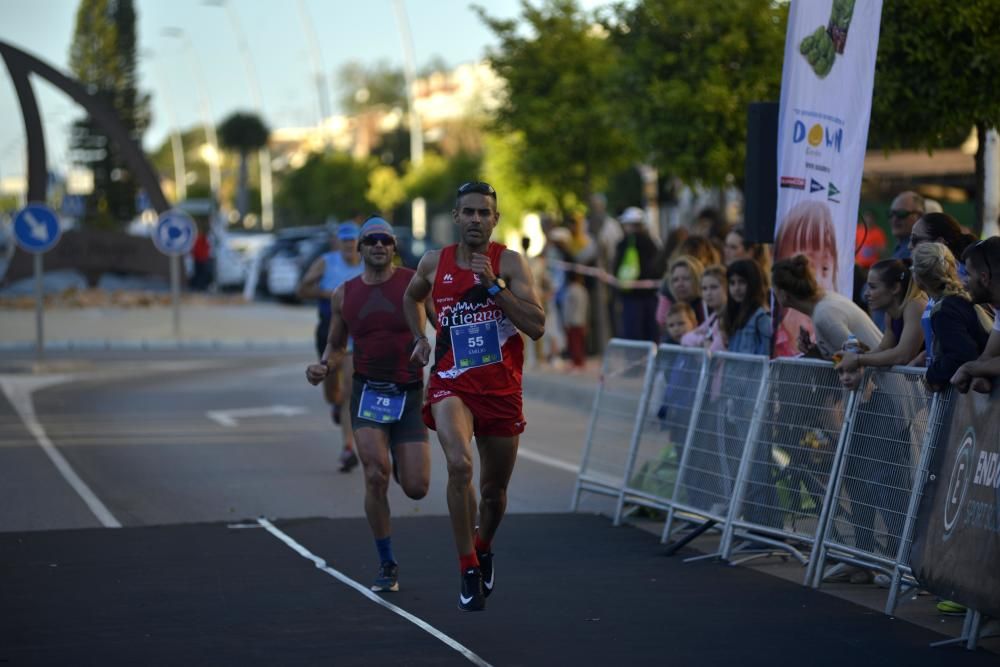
36 228
175 233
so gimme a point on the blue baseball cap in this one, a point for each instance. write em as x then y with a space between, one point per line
347 231
376 225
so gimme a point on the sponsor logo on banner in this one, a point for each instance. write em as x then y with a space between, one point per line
832 192
958 485
815 186
793 182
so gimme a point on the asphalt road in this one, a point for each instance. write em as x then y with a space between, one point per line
136 431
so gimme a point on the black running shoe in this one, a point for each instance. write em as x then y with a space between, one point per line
472 598
486 567
387 580
348 460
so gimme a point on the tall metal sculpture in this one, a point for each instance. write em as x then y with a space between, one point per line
20 65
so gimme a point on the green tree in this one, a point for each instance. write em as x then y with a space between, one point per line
103 58
244 133
192 139
363 87
932 77
385 190
558 75
688 70
326 185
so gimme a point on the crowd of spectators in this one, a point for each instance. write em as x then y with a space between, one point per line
930 302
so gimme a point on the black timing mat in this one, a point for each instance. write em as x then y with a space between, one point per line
570 590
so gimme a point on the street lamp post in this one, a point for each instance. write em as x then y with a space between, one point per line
322 94
214 175
176 141
264 155
418 206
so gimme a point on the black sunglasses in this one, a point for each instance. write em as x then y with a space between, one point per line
373 239
898 213
478 187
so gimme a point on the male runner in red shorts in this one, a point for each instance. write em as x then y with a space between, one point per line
482 294
387 391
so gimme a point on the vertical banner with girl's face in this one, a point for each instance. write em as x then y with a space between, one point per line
826 99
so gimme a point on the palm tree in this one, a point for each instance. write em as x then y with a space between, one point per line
244 133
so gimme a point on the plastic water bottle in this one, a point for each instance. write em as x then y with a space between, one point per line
852 344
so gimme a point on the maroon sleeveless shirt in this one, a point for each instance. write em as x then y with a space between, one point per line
382 340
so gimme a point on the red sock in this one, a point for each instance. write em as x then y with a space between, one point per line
468 561
482 547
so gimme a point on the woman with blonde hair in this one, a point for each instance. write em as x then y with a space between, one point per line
958 334
713 297
891 290
682 282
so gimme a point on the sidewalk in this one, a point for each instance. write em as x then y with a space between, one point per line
224 323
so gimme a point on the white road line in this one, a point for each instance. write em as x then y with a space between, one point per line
18 391
344 579
547 460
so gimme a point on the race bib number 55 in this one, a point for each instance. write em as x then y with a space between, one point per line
476 344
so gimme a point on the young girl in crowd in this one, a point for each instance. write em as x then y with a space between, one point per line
736 248
891 290
713 296
746 321
807 230
959 335
681 284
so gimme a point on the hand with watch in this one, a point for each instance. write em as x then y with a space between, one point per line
498 286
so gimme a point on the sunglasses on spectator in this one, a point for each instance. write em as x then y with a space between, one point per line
478 187
900 213
373 239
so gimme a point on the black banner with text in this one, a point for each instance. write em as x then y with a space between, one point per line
956 545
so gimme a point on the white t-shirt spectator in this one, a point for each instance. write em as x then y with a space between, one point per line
835 318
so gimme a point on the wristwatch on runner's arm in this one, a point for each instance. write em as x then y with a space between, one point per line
497 287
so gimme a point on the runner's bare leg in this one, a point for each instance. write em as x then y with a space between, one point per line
496 459
454 429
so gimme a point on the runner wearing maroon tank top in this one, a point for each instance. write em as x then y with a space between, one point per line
387 389
482 295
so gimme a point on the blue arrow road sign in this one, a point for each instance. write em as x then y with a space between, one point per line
175 233
36 228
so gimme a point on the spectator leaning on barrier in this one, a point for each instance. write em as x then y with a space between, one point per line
937 228
890 289
876 470
746 321
982 263
637 257
834 316
713 297
958 333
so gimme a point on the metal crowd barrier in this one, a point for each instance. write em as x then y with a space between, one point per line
775 452
881 475
723 418
615 419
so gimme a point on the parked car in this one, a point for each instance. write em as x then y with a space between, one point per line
283 264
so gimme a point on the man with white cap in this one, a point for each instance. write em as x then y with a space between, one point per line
327 273
387 389
637 257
